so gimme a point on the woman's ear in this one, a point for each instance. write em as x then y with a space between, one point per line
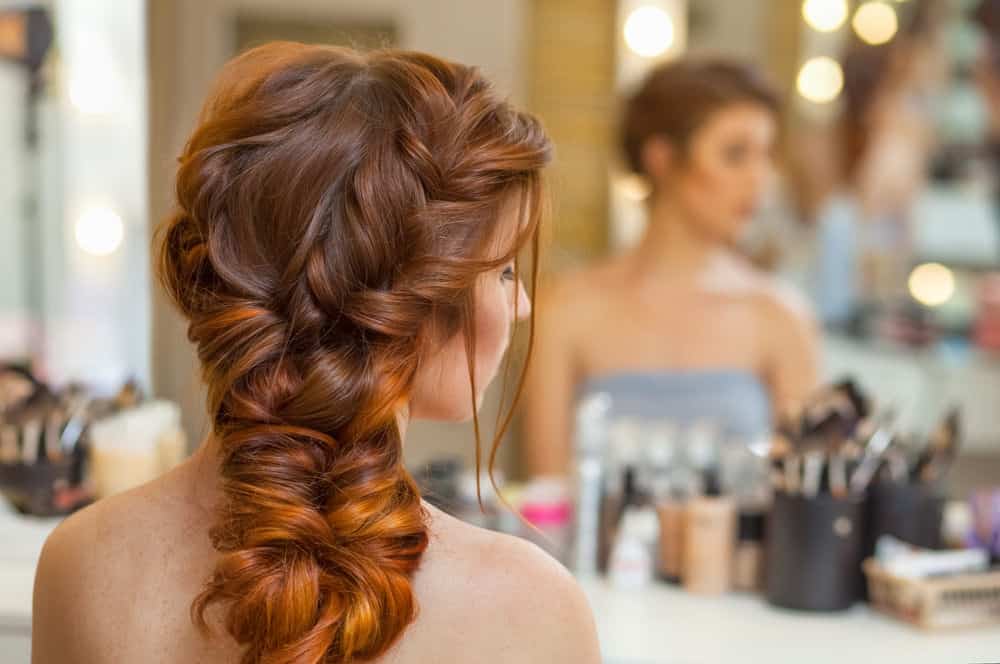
657 158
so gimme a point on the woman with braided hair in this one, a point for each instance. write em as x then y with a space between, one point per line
344 249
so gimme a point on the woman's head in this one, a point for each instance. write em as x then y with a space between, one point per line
702 132
441 389
344 247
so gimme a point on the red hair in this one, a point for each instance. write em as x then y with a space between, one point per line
334 210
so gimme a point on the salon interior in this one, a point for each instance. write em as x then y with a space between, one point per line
791 456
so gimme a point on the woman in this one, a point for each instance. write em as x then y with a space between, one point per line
343 250
680 323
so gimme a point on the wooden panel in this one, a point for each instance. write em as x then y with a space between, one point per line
571 74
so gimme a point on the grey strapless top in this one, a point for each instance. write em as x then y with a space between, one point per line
734 400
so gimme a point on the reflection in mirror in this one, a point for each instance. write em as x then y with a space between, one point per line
25 38
73 211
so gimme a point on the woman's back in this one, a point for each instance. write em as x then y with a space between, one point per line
118 578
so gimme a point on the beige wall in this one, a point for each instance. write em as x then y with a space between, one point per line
571 84
766 33
189 41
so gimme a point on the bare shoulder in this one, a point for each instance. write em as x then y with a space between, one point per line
577 287
778 303
548 616
784 303
78 573
586 276
96 562
518 601
786 313
117 529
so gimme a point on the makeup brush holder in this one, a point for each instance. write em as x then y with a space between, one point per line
46 487
912 512
814 552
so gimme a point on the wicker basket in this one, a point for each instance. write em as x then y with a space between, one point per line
965 600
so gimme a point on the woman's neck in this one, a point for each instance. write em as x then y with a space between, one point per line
202 472
673 247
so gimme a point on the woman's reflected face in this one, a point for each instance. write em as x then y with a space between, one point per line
723 174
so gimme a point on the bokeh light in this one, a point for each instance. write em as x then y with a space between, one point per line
99 231
92 81
824 15
931 284
649 31
633 187
875 22
820 80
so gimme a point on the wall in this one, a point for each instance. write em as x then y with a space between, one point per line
723 26
571 70
766 33
82 318
96 309
13 264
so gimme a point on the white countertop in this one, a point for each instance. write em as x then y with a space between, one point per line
21 540
666 625
16 581
659 625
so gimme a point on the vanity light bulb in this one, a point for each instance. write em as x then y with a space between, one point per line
820 80
649 31
824 15
99 231
875 22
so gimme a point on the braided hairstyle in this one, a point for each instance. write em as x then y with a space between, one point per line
334 210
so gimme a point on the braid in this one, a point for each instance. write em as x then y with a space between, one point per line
327 211
321 534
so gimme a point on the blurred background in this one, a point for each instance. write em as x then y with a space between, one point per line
883 212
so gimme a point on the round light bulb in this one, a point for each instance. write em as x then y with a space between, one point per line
633 187
931 284
875 22
820 80
824 15
89 95
92 83
649 31
99 231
